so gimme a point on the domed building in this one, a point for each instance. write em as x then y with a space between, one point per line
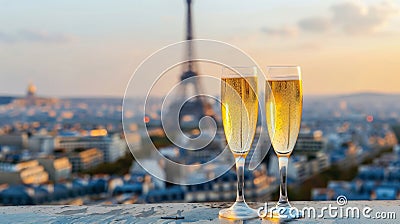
31 98
31 90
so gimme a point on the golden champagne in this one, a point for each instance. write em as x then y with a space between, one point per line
239 112
284 108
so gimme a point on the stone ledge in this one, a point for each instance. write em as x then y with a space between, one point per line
156 213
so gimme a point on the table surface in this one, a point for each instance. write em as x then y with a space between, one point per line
193 213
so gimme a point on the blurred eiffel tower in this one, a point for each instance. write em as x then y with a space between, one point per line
190 87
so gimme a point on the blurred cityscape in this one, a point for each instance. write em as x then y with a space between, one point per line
73 151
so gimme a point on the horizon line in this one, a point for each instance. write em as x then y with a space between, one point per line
116 96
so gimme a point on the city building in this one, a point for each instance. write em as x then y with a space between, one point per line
26 172
14 141
301 167
83 159
112 147
310 142
58 168
304 168
41 144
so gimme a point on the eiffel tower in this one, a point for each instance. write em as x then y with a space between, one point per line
197 107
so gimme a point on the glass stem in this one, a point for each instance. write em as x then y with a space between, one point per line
283 198
240 160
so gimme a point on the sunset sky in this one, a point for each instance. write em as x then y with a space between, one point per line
92 47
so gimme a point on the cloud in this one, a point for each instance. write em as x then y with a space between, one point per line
352 18
38 36
315 24
286 31
356 18
43 36
6 38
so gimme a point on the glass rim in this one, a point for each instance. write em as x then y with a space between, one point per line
283 66
284 76
235 71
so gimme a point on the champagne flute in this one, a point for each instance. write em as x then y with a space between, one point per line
284 102
239 105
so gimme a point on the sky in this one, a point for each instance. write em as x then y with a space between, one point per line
92 47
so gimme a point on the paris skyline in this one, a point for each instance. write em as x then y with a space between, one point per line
70 48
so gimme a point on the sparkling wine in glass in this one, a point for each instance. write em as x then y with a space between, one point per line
239 105
284 102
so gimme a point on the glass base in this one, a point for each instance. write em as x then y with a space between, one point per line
239 210
284 211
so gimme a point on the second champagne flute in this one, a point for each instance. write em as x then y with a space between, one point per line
284 102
